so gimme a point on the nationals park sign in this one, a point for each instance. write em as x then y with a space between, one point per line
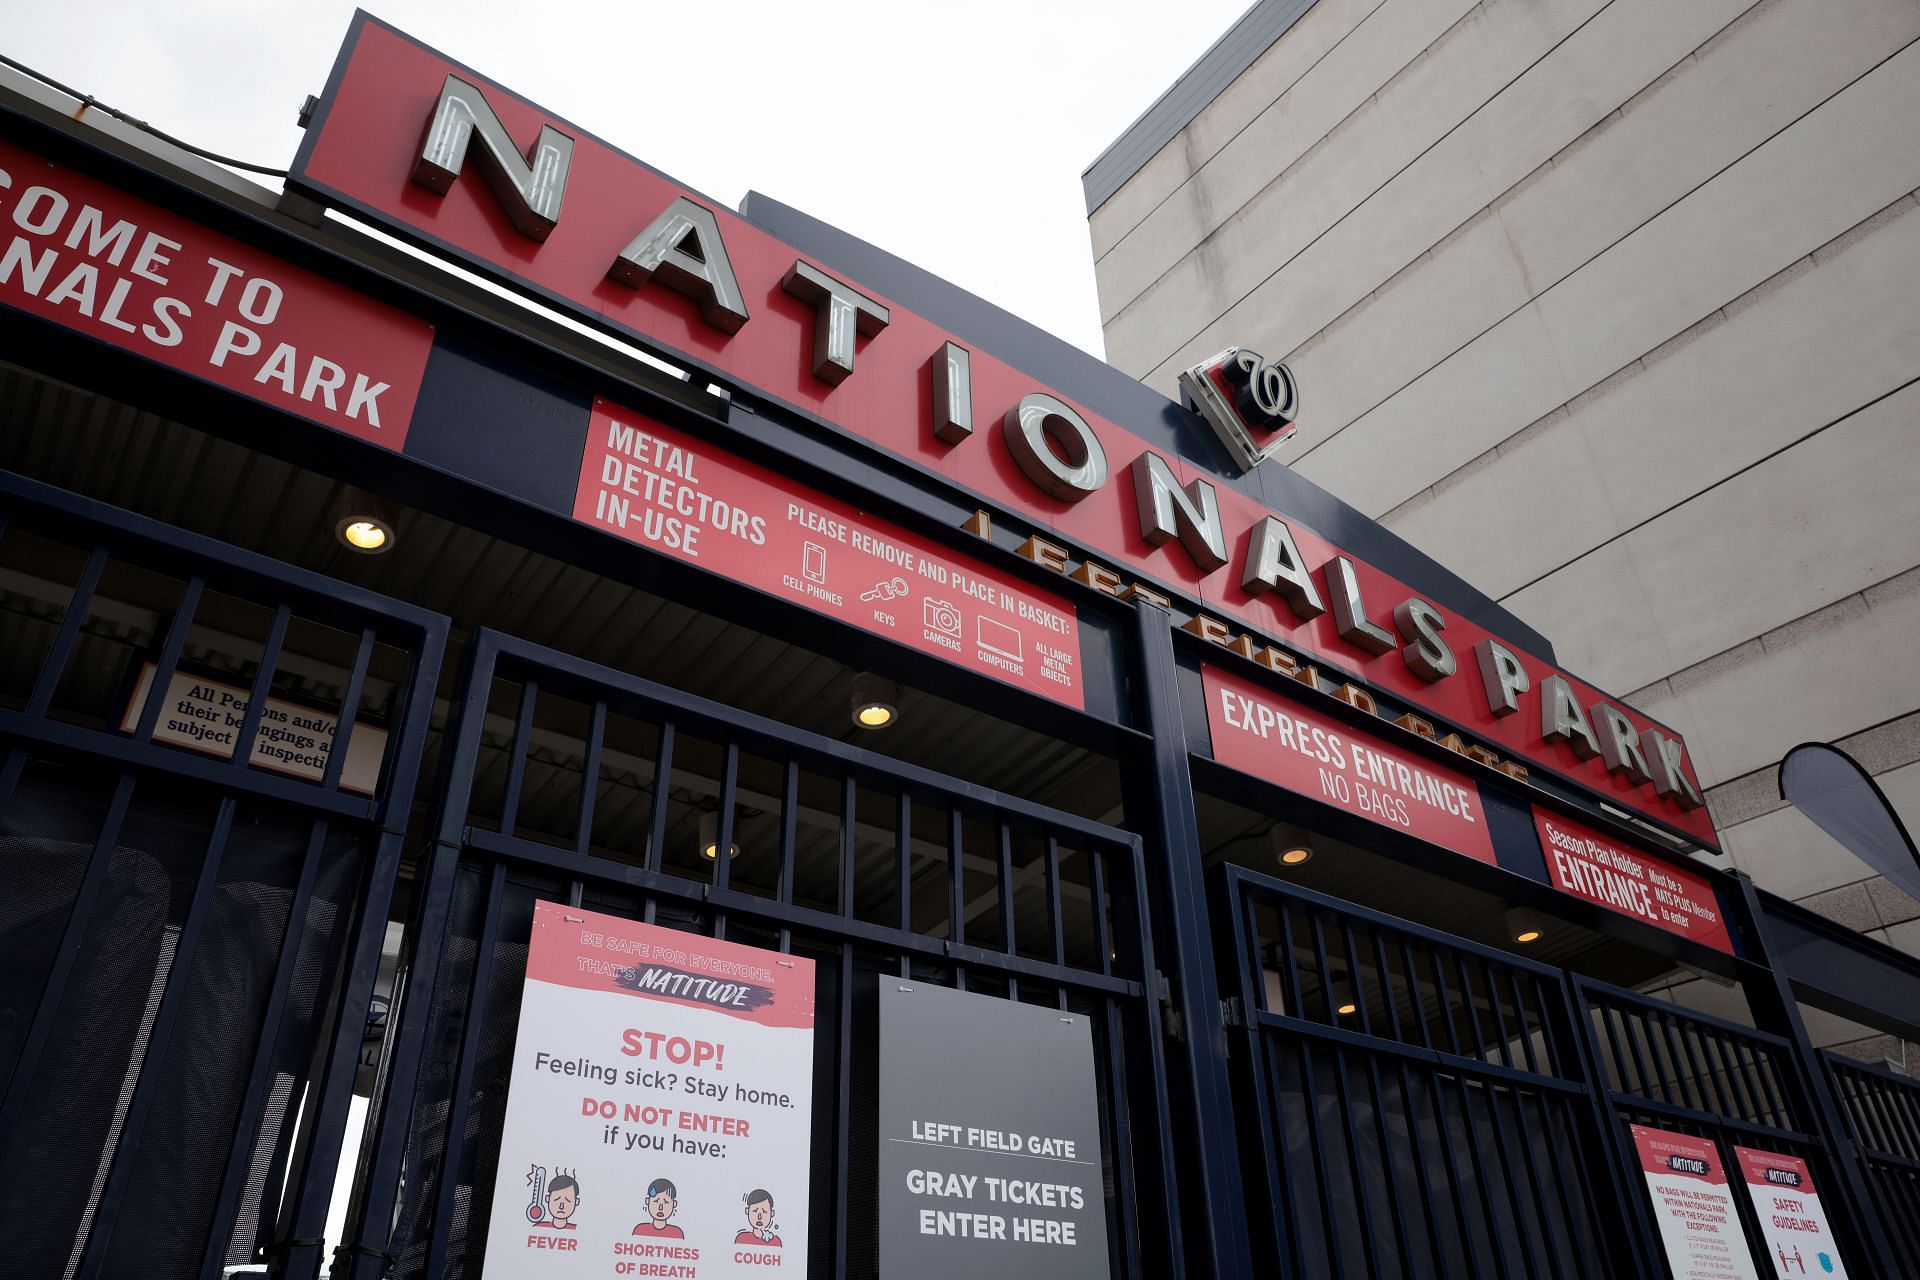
451 160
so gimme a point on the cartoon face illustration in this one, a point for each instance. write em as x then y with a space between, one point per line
563 1197
759 1211
661 1201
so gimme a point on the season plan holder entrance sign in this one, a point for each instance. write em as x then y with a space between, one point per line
989 1162
647 483
1599 869
660 1113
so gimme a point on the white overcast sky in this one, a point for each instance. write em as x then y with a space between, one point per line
953 135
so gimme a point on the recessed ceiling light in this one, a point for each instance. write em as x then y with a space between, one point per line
1522 925
367 534
876 701
1295 856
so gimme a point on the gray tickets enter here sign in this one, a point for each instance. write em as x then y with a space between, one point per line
989 1140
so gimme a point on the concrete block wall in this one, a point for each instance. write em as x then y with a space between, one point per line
1610 305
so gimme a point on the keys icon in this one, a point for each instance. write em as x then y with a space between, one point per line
886 590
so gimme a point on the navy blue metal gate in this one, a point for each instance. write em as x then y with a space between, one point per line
188 940
1882 1113
1418 1105
576 783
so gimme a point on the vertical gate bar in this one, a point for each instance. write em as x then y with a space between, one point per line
1490 1090
153 1062
1559 1063
78 606
370 1220
1290 965
1004 838
723 840
1159 801
1403 1238
1520 1012
1102 929
843 1072
169 660
1682 1028
1503 1040
903 872
517 756
1316 1132
655 858
10 771
1519 1115
1056 918
349 710
849 815
1689 1097
246 1127
1417 1006
1421 1181
262 685
789 842
53 989
590 779
1269 1111
1343 1095
1466 1115
955 885
576 892
1469 1248
1646 1084
1714 1063
1329 995
1626 1195
1750 1085
1468 1008
1617 1057
1122 1144
453 1156
1153 1091
1576 1200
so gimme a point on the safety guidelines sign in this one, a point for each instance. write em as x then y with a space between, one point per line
660 1113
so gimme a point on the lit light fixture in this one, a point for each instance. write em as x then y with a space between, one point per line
1295 856
876 701
367 534
710 838
1346 1010
1522 925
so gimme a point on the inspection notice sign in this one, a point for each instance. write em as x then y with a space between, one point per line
1699 1226
660 1113
989 1155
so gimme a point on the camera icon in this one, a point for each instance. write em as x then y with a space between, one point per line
940 615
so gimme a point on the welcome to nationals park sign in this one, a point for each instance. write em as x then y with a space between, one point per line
452 160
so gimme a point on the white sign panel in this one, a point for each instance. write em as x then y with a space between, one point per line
1699 1225
1792 1220
659 1121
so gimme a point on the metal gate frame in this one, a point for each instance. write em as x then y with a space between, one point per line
1882 1112
1539 1059
1134 1077
136 760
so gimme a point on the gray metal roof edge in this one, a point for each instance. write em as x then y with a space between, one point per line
1249 37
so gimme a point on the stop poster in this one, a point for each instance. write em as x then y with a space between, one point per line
660 1113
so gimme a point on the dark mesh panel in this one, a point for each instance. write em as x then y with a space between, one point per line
46 836
492 1073
427 1138
321 938
53 1168
162 1228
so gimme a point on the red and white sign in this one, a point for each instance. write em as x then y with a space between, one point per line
1699 1226
1318 757
659 1119
663 489
1603 871
95 260
1792 1221
361 153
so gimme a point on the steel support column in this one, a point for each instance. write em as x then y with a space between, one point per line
1159 805
1773 1001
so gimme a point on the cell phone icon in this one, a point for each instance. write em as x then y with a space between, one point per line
813 562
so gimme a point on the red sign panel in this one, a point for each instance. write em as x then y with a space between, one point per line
663 489
1603 871
362 151
1320 758
96 260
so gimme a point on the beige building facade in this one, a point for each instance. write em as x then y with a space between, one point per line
1613 307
